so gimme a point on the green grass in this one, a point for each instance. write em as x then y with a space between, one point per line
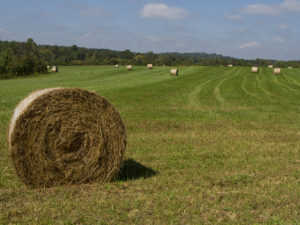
213 145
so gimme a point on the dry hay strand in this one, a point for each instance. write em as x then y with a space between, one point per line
254 69
277 71
61 136
129 67
174 72
149 66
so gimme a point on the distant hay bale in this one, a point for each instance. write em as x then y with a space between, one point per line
48 67
230 65
174 72
116 66
270 66
277 71
290 67
254 69
66 136
54 69
149 66
129 67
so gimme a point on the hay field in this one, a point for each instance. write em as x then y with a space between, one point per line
213 145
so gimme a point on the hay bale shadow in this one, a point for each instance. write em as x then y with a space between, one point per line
133 170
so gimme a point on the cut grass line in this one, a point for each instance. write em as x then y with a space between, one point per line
291 79
281 85
265 91
193 100
243 86
217 92
288 84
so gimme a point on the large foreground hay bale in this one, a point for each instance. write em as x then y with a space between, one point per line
149 66
129 67
254 69
66 136
174 72
277 71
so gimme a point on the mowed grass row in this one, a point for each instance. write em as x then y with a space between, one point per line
214 145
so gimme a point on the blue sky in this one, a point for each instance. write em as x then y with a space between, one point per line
244 29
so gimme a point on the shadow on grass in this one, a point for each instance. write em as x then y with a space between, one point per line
133 170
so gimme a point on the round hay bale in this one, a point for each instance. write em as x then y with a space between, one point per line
254 69
66 136
149 66
129 67
277 71
174 72
54 69
117 66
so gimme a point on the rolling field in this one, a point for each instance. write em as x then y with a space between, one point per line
213 145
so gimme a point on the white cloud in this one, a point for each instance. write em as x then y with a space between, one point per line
278 39
251 44
286 6
86 36
282 26
163 11
4 31
290 6
240 30
235 17
260 9
95 12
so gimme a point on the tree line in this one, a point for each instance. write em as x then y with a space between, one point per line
25 58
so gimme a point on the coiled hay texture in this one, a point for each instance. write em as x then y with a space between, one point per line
66 136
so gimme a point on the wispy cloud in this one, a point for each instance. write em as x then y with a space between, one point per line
240 30
286 6
95 12
260 9
4 31
282 26
290 6
163 11
235 17
251 44
278 39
